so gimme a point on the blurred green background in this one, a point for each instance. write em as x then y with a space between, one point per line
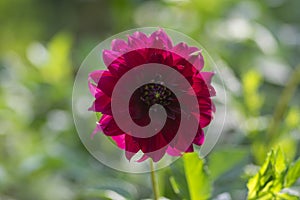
255 43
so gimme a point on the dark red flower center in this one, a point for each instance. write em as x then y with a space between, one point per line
154 93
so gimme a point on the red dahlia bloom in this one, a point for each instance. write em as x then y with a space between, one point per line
141 49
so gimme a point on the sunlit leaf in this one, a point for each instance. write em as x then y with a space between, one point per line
287 144
293 174
274 176
198 179
98 116
59 67
174 185
251 82
227 158
293 117
289 194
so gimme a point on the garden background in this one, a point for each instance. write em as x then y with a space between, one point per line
256 45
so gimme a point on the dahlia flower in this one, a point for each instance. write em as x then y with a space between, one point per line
141 49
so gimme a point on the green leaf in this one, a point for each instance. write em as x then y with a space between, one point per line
251 82
288 195
286 144
292 119
174 185
104 194
199 182
293 174
58 68
254 184
267 180
274 176
98 116
279 162
226 157
179 184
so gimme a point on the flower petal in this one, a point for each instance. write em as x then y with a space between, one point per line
201 84
96 75
161 36
134 59
107 83
109 126
185 137
96 130
207 76
153 143
183 50
135 43
206 111
138 40
119 45
140 35
170 129
93 89
197 60
101 104
120 141
143 158
110 56
199 139
158 154
173 152
131 146
190 149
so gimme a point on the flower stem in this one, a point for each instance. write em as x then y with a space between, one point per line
283 102
154 181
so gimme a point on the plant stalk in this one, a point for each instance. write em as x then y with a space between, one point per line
154 181
283 102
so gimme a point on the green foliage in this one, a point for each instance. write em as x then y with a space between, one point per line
256 44
178 180
98 116
293 118
274 176
293 174
227 157
197 176
58 69
251 83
